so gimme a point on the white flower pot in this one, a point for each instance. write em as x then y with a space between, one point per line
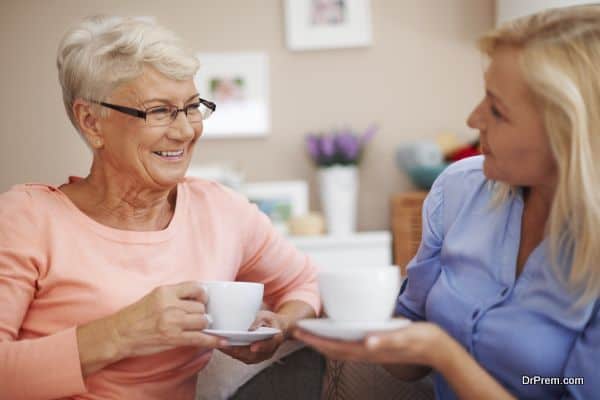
339 191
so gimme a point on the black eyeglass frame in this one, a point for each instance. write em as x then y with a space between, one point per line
134 112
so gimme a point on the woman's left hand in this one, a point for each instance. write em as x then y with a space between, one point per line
264 349
420 343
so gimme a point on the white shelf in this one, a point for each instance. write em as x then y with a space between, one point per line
366 249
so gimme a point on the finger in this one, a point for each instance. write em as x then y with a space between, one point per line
394 340
194 338
191 290
264 318
194 322
266 346
241 353
258 322
248 358
192 306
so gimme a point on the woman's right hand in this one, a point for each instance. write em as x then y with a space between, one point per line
168 317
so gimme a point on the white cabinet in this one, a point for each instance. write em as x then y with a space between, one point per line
360 249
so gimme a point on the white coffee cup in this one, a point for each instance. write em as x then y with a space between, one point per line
232 306
359 294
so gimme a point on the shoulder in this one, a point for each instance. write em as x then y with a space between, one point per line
25 198
467 172
462 185
459 179
25 209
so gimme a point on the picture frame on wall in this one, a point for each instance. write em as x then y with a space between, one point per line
279 200
327 24
238 83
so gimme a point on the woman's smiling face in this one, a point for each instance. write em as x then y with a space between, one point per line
153 156
513 137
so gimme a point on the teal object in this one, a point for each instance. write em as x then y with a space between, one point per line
424 176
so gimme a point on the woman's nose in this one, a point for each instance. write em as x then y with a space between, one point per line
182 127
475 119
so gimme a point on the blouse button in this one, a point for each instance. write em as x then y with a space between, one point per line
475 314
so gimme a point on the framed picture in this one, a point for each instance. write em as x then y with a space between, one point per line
279 200
239 84
223 173
326 24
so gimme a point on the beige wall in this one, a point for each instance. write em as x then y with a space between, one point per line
421 76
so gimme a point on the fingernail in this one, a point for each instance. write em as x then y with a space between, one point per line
373 342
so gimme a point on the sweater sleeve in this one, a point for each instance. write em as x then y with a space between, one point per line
269 258
40 368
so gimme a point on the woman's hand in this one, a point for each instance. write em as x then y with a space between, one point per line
420 343
168 317
264 349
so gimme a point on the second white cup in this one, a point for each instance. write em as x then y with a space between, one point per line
365 294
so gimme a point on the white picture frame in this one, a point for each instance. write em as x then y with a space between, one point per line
327 24
238 83
279 200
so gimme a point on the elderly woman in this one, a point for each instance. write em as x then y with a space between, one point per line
505 284
99 277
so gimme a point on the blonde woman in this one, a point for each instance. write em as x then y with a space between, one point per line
99 277
506 281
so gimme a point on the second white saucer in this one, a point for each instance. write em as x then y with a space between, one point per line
349 330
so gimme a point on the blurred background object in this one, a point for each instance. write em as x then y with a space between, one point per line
224 173
337 156
307 225
279 200
421 153
469 150
424 160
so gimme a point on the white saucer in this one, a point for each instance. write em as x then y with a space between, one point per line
349 330
243 338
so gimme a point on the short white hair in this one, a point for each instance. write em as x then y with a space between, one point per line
101 53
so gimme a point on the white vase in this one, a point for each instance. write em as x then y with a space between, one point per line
339 190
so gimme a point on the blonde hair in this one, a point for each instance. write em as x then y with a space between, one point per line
101 53
560 62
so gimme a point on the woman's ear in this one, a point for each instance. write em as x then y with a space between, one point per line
89 123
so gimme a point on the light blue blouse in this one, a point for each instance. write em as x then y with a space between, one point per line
463 279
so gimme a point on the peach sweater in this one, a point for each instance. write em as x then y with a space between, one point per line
60 269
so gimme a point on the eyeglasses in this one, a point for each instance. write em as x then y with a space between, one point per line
164 115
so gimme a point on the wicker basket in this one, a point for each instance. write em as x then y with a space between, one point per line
406 226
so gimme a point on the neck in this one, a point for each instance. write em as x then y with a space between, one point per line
538 200
120 201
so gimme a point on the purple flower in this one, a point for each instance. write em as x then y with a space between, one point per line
343 147
368 135
348 146
312 145
327 146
